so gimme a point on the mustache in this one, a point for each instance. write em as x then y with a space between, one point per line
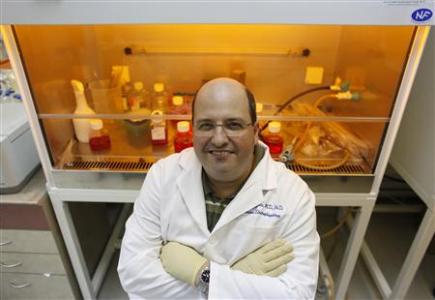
209 149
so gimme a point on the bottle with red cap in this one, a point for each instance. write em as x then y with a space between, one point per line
183 138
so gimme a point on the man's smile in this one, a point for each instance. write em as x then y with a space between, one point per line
220 153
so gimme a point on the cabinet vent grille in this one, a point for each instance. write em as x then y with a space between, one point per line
129 166
144 166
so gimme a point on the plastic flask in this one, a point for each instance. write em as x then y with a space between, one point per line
98 139
274 139
183 138
159 130
81 126
160 98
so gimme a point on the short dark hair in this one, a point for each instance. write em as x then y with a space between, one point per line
251 105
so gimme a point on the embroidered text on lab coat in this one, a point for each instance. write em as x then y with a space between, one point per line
267 210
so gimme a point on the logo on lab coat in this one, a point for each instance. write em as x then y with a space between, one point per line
267 210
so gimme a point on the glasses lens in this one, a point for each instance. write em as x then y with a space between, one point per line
231 128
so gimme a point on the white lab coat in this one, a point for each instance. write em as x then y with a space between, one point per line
274 203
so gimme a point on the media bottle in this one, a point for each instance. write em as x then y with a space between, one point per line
98 139
137 97
178 106
183 138
159 97
273 139
159 129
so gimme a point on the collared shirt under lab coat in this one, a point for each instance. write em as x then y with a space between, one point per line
274 203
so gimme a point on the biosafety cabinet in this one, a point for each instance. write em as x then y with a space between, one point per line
332 88
336 82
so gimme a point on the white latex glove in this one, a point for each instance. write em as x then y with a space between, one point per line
182 262
270 259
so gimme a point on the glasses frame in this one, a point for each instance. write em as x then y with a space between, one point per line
228 132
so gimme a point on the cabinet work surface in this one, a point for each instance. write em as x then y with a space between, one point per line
32 193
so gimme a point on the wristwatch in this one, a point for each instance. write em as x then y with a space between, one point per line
204 280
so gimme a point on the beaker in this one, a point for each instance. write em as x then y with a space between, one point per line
106 99
138 128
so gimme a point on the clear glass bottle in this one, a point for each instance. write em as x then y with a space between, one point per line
159 97
183 138
259 108
126 90
99 139
159 129
178 107
137 97
273 139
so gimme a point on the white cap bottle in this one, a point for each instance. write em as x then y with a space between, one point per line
138 85
177 100
258 107
274 127
159 87
160 98
183 126
96 126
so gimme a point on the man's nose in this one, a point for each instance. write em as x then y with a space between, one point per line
219 137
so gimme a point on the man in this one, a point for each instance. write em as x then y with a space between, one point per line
218 220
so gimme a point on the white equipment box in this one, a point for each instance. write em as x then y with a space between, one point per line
19 158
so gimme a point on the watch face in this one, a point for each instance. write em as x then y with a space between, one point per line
205 276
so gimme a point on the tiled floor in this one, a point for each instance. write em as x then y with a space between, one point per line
389 236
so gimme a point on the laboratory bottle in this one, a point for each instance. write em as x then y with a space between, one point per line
99 139
81 126
135 98
159 129
177 107
159 97
183 137
273 139
138 97
126 90
259 108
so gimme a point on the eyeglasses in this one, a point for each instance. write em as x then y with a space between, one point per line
232 128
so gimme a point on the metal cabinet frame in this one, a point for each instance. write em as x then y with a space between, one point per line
422 152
